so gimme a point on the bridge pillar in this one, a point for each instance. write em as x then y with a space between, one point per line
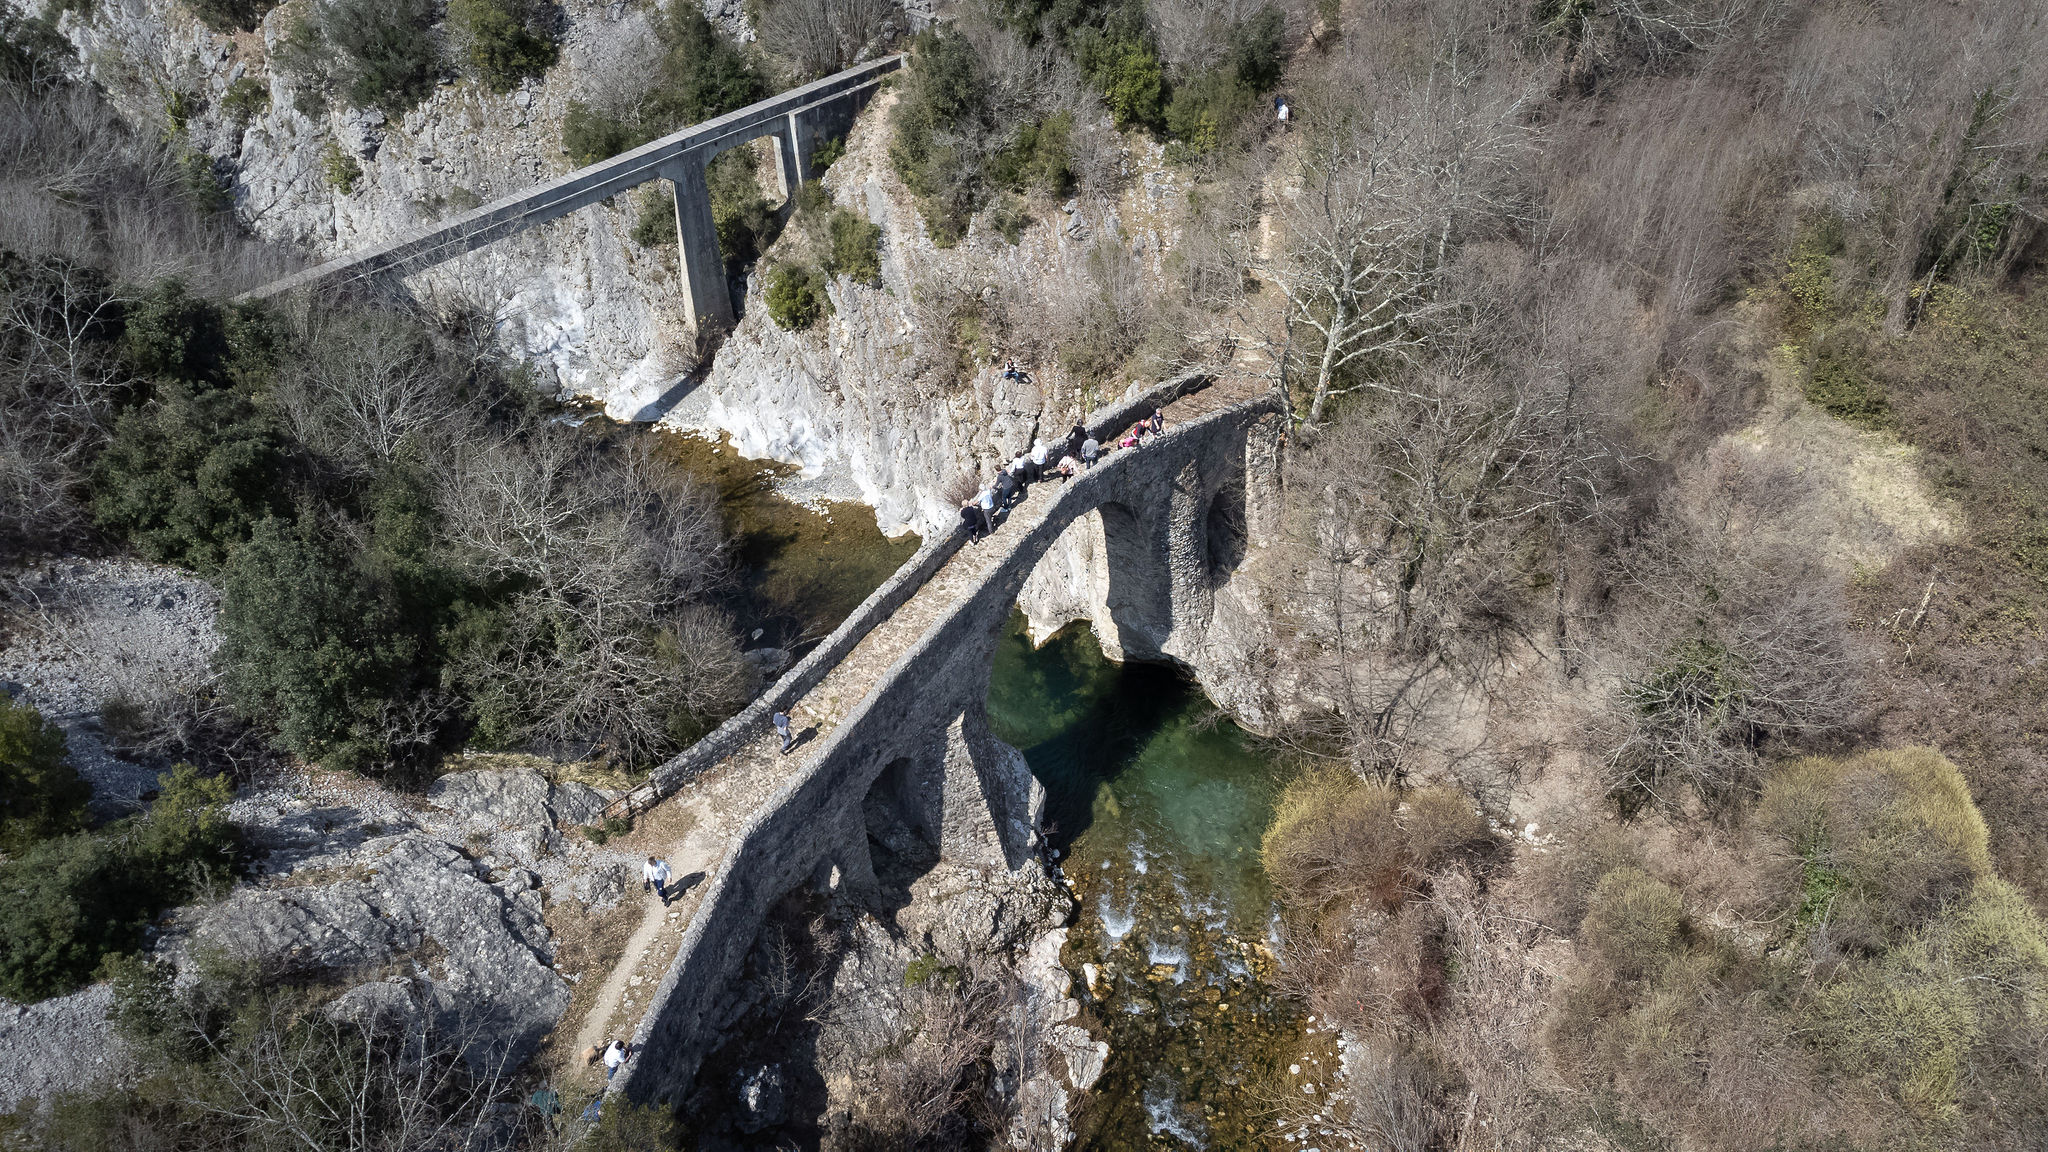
706 295
814 124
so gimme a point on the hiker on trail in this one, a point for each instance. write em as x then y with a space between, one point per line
783 730
1133 438
1156 422
1075 439
1020 469
1006 487
615 1055
655 872
970 518
1089 451
1282 110
1040 452
1067 468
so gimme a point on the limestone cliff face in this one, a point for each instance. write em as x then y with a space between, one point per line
599 314
879 396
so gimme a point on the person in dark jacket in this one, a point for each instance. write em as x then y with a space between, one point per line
1075 439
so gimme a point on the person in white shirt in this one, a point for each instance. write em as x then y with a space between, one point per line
615 1055
655 872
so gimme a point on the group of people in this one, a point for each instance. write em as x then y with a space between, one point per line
1077 453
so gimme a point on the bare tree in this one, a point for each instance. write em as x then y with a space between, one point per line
1391 179
610 550
819 37
1735 632
368 385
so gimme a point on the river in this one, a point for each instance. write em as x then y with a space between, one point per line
798 571
1156 805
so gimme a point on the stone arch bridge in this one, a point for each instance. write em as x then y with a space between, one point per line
892 705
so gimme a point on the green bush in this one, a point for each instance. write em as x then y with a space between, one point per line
203 184
856 248
1205 109
340 168
1128 73
1040 159
590 135
500 42
1633 921
231 15
746 223
41 795
796 297
68 902
702 74
371 53
245 99
171 335
1843 388
186 478
945 100
320 652
656 224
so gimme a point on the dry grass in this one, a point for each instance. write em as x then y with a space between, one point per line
587 944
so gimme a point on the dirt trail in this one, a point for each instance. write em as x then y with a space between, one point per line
695 828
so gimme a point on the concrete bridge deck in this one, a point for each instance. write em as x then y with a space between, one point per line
699 828
799 121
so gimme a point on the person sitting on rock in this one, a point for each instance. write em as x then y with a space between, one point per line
655 873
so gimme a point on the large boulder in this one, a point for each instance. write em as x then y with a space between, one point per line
485 800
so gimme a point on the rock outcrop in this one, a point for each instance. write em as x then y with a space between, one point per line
489 983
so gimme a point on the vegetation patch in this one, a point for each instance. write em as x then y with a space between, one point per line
796 297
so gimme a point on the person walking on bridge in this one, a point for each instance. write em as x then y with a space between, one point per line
655 873
986 505
1075 438
783 729
1040 453
1091 449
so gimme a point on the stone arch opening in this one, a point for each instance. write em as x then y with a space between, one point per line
1224 532
1139 595
901 837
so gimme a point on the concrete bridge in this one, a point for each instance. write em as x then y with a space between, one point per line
800 121
898 756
